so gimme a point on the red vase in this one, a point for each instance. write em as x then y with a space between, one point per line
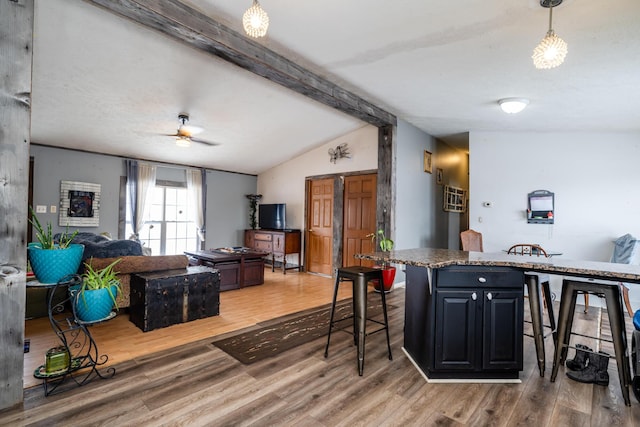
388 275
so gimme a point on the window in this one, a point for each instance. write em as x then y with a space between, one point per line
168 229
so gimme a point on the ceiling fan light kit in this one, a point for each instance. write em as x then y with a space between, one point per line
183 142
185 132
552 50
255 21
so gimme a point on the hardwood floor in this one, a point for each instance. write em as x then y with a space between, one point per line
175 376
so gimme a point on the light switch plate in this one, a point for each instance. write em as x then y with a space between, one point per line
53 208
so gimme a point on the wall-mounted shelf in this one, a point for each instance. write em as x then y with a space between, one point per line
540 207
455 199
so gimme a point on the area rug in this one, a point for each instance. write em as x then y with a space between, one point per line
268 339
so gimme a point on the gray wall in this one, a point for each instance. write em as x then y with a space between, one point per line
52 165
416 193
420 220
227 206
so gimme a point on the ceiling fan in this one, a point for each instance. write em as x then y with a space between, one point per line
184 134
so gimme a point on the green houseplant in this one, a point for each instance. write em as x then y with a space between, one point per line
52 260
388 271
95 297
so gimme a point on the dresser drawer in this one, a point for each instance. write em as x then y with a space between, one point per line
263 236
494 277
263 246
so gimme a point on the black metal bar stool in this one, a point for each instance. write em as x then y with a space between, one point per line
359 276
613 298
538 284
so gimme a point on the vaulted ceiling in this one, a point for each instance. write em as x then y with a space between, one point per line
104 83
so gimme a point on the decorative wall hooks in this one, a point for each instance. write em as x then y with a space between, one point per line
340 152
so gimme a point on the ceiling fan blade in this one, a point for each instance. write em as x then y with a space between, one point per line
202 141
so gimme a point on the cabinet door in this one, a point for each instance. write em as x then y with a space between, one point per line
278 243
457 330
503 318
249 240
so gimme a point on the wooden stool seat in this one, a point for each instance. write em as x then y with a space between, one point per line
360 277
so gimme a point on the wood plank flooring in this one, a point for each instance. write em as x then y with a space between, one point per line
184 380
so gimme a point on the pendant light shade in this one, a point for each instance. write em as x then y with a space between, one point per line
552 49
255 21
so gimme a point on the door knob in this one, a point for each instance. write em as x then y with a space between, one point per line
474 296
489 296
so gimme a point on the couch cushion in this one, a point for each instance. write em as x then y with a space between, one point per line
109 248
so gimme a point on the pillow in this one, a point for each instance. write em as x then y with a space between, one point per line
109 248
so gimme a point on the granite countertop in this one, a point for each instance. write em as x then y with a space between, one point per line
438 258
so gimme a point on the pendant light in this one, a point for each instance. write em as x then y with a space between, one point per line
552 49
255 21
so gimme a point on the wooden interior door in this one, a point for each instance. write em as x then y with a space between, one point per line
359 217
320 226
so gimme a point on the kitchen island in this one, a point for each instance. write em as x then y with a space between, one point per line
464 310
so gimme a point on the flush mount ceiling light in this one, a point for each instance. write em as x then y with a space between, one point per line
255 21
513 105
552 49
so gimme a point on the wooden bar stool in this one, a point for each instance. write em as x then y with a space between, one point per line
613 298
359 276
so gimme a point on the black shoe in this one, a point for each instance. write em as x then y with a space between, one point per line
579 362
595 372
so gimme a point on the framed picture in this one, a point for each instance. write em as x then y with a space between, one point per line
439 173
428 167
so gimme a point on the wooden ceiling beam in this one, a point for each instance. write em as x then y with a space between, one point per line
201 32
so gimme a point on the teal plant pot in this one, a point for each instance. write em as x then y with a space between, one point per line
95 304
51 265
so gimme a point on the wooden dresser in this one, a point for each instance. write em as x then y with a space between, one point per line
278 243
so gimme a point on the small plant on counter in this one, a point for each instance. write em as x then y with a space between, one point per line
386 245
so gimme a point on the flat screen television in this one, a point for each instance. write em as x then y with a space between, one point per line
272 216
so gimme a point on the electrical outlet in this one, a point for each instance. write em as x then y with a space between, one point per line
41 209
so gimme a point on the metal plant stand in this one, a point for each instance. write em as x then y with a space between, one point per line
77 358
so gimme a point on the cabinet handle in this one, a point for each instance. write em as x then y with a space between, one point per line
474 296
489 296
482 280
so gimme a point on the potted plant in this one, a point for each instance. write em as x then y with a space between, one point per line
52 260
388 271
253 209
95 297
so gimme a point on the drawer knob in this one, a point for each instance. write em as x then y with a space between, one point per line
482 279
474 296
489 296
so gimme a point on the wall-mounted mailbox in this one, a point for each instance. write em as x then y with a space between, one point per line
540 207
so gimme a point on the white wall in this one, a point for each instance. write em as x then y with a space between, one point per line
285 183
594 177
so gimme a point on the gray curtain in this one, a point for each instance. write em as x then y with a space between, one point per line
196 190
141 177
